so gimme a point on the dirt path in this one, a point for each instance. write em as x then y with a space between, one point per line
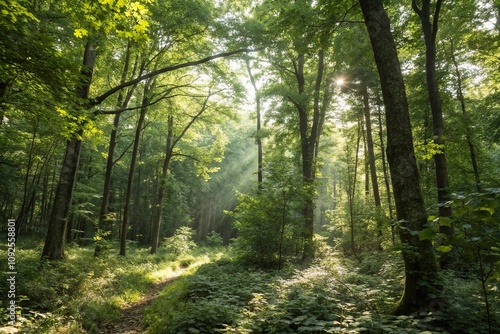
130 321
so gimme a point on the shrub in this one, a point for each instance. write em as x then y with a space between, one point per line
181 242
214 239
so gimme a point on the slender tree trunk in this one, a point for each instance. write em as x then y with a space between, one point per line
421 280
23 212
429 30
369 144
468 131
162 185
386 176
309 140
352 190
121 103
171 142
56 233
306 143
258 135
130 180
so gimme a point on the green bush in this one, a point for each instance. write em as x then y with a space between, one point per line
181 242
214 239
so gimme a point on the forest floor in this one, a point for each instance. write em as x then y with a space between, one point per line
208 290
130 320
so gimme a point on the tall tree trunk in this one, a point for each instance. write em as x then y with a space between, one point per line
386 176
468 130
307 154
162 185
130 179
369 144
429 30
56 233
258 135
121 103
371 161
421 279
23 212
351 189
309 139
171 142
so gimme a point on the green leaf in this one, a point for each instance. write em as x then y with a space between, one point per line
444 248
444 221
427 234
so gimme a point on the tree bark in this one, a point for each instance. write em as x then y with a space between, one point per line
386 176
171 142
421 279
369 144
162 185
56 233
258 137
309 140
121 103
130 180
429 30
468 132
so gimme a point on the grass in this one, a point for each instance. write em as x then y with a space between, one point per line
82 293
218 294
333 295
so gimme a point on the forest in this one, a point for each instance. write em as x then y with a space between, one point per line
250 166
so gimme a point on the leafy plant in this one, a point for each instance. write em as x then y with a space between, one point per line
476 241
269 223
214 239
181 242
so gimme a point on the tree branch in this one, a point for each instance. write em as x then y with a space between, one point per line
435 20
101 98
193 119
185 156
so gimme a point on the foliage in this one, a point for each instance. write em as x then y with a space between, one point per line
332 296
181 242
268 223
84 293
214 239
476 242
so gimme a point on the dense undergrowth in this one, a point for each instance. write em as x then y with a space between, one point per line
218 294
82 293
334 295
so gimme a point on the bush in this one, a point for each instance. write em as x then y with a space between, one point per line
181 242
214 239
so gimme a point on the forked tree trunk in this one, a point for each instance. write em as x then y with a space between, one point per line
56 233
162 186
310 132
121 103
162 183
421 279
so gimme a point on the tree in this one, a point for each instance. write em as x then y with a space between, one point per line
169 153
300 55
56 234
258 133
421 279
430 30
